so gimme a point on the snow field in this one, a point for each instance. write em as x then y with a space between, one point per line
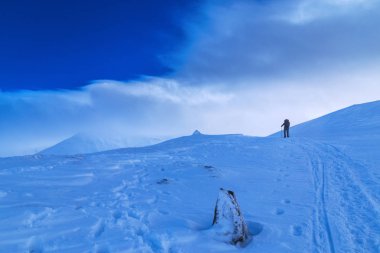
160 199
302 194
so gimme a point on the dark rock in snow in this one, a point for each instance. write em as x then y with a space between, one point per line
196 132
228 218
163 181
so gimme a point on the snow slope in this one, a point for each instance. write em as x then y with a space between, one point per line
357 121
297 195
355 131
90 143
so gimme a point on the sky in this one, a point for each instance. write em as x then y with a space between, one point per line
166 68
48 44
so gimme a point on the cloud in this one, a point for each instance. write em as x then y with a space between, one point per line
155 107
247 41
303 12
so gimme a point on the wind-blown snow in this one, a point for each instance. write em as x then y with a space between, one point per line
302 194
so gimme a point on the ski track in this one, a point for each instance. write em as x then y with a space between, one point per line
321 224
357 209
346 215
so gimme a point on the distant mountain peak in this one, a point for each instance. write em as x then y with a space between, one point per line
196 132
83 143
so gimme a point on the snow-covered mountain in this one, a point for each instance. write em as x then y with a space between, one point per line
89 143
302 194
354 122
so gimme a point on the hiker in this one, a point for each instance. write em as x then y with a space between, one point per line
286 126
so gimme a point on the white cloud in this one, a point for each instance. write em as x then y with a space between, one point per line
244 41
161 89
32 120
311 10
259 109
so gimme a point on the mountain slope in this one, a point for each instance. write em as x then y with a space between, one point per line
90 143
355 130
357 121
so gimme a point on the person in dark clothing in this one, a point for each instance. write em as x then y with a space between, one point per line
286 126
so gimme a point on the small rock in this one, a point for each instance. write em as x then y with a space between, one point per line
163 181
196 132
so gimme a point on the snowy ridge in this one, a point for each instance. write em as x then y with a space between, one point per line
90 143
355 121
297 195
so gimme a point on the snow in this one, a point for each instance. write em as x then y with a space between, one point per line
83 143
355 121
314 192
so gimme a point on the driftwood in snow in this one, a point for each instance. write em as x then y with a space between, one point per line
228 218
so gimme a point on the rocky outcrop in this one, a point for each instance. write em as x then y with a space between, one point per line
228 219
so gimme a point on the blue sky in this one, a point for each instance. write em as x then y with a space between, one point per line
48 44
165 68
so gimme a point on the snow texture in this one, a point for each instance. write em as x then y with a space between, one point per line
314 192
